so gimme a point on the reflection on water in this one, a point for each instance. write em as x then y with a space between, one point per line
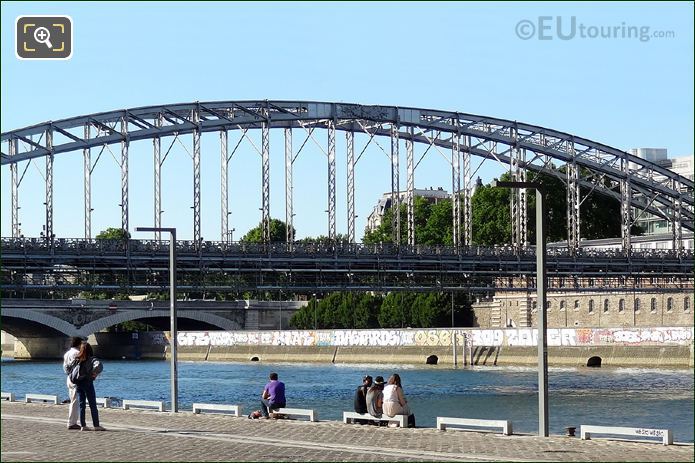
608 396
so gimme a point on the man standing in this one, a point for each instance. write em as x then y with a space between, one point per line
68 361
273 396
361 397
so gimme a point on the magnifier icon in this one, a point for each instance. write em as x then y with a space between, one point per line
42 35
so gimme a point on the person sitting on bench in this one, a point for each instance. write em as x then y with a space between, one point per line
273 396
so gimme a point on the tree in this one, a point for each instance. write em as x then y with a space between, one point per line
324 240
396 309
491 222
112 233
278 233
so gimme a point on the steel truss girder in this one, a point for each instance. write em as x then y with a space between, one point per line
467 231
87 166
49 184
395 186
265 180
331 181
676 223
625 202
224 189
456 190
289 189
350 147
519 213
157 183
195 116
15 189
124 173
411 187
253 114
573 209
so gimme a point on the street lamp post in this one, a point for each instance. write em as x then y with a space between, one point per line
172 308
541 279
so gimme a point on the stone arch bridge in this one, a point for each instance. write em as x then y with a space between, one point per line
43 325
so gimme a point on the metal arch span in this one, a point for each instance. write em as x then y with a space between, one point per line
642 184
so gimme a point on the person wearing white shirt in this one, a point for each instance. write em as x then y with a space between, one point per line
395 402
68 360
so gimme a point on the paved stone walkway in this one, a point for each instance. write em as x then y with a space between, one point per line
36 432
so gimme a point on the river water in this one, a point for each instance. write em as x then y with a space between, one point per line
654 398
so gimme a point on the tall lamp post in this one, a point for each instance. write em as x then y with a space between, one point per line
541 280
172 309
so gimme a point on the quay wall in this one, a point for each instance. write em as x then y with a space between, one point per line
652 347
644 346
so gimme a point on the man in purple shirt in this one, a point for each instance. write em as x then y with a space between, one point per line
273 396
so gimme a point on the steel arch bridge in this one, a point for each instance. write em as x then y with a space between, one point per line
640 186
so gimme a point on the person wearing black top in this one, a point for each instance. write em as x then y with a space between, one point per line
361 397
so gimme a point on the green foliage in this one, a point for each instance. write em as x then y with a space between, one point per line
491 219
324 240
128 327
113 234
278 233
395 310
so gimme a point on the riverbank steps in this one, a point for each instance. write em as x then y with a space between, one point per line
33 432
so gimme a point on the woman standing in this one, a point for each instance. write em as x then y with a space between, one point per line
394 400
89 369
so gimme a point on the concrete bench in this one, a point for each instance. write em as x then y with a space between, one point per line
104 402
234 410
505 425
41 398
666 435
9 396
402 420
309 413
158 404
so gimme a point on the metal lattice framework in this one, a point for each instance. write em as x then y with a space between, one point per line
637 183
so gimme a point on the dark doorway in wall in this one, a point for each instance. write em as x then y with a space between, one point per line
432 360
594 362
254 359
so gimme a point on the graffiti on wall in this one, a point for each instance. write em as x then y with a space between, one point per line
527 337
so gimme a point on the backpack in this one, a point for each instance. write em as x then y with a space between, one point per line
78 373
83 370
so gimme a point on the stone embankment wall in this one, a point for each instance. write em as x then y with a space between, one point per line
662 347
647 347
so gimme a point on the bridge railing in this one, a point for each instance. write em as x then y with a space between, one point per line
79 246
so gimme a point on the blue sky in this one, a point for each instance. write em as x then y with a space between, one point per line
464 57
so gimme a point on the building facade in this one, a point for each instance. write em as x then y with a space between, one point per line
587 309
384 204
684 166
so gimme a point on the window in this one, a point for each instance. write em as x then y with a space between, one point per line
562 305
686 304
591 306
534 306
549 305
637 305
653 305
621 305
605 306
669 304
576 304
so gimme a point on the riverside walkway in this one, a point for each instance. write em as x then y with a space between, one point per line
37 432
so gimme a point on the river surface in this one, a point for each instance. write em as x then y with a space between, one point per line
653 398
